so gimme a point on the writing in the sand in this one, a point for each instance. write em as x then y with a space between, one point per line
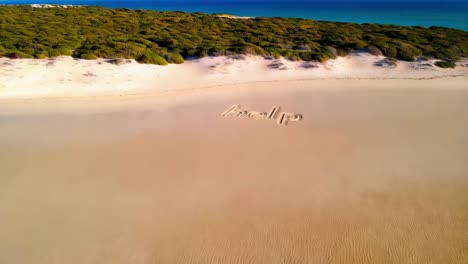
282 118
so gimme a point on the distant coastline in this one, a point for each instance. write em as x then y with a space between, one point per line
407 13
223 15
54 6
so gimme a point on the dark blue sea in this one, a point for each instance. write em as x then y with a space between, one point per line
450 13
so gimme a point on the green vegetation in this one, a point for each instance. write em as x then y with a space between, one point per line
445 64
169 37
374 51
175 58
149 57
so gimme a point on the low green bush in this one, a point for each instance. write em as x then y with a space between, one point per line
407 52
389 51
374 51
18 55
176 58
307 55
149 57
89 56
445 64
41 56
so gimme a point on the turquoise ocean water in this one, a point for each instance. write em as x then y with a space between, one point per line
451 13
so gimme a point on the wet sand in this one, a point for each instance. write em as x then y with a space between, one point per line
375 172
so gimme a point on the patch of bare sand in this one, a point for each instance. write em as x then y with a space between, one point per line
375 172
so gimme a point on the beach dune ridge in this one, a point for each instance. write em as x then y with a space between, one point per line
66 76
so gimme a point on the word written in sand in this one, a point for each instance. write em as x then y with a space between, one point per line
282 118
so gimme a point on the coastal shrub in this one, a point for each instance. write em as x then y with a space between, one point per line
307 56
324 57
276 55
326 54
253 50
41 56
389 51
317 56
65 51
149 57
18 55
292 55
392 61
201 52
175 58
53 53
445 64
429 51
407 52
358 44
218 52
453 53
248 51
332 51
188 52
374 51
89 56
303 47
117 61
29 51
295 57
273 52
60 49
128 50
343 52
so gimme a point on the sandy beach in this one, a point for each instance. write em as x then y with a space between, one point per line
105 163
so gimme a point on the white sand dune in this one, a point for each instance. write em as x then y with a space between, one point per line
66 76
136 164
